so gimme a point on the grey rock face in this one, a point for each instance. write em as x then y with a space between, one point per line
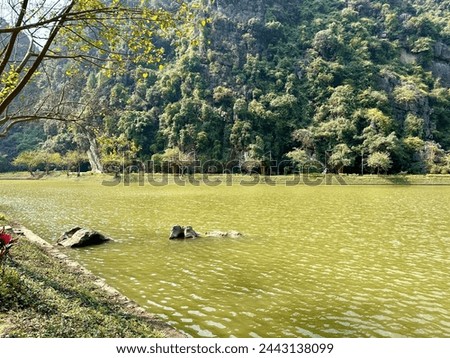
442 51
441 70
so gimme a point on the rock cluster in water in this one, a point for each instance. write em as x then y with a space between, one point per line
187 232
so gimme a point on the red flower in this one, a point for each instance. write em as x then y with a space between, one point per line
5 238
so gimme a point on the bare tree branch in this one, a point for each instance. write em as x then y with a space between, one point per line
14 35
89 34
6 102
12 121
112 12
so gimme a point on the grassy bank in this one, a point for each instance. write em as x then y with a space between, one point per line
239 179
40 296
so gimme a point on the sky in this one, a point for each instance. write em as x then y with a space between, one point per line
9 10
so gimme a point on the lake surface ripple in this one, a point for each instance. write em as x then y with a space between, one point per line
325 261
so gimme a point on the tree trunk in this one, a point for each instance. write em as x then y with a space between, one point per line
94 154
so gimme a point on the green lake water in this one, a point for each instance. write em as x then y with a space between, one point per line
326 261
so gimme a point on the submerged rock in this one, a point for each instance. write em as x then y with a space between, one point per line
217 233
79 237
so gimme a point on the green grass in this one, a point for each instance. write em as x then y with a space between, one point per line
239 179
40 297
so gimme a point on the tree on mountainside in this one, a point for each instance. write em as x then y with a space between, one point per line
104 34
341 157
379 161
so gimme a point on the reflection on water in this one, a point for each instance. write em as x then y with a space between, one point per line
313 262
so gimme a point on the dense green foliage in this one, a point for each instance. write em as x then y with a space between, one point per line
355 85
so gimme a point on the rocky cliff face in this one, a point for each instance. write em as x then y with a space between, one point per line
440 66
22 46
242 10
